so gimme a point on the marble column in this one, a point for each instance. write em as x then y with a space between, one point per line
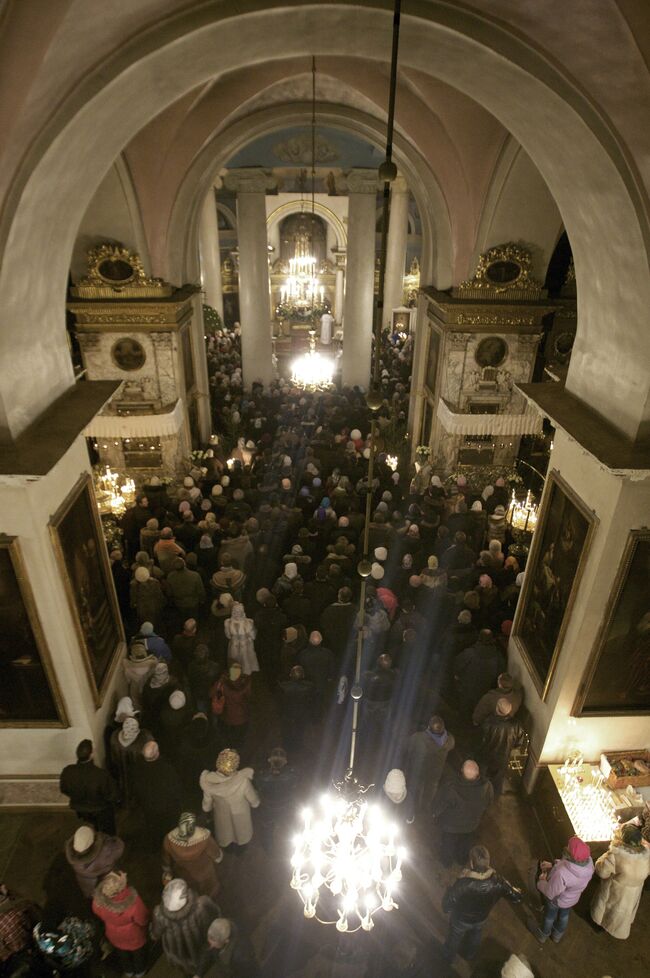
396 248
210 253
251 186
360 277
339 259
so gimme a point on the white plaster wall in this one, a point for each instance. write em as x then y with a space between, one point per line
620 505
519 207
112 215
26 506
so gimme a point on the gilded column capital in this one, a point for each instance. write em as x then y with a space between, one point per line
362 181
250 180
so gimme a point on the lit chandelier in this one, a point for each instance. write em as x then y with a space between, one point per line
522 515
302 293
312 370
302 289
347 859
348 848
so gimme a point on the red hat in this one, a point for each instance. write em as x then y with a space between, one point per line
578 850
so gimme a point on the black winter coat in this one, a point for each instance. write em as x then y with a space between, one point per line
89 788
459 804
472 896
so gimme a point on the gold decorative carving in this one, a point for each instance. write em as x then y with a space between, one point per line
493 320
502 272
114 272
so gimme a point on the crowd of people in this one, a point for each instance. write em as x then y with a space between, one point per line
240 591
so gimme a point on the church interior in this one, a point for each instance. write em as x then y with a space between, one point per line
259 259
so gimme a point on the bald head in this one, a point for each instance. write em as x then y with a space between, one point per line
470 771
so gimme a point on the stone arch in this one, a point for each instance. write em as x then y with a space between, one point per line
593 181
436 260
328 215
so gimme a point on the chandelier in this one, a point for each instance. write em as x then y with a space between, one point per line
522 515
347 859
348 848
302 290
111 496
312 370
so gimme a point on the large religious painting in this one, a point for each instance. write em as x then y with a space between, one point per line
81 551
617 680
556 562
29 696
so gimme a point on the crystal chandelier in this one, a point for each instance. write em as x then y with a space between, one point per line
111 496
347 859
302 290
312 370
522 515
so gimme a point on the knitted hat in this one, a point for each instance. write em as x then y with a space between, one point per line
381 553
142 575
376 572
228 761
355 434
146 629
217 490
112 884
219 931
395 786
465 617
174 895
477 506
177 700
262 595
188 481
83 839
291 570
578 850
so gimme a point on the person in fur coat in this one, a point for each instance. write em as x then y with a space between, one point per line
181 923
623 870
190 853
92 855
230 795
240 632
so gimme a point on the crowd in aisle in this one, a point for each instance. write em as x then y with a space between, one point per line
239 589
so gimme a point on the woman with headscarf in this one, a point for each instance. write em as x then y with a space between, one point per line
125 748
125 919
623 870
240 632
190 853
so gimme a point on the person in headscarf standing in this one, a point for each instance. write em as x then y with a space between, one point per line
125 920
240 632
190 853
125 748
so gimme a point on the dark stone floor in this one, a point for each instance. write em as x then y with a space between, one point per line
256 893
